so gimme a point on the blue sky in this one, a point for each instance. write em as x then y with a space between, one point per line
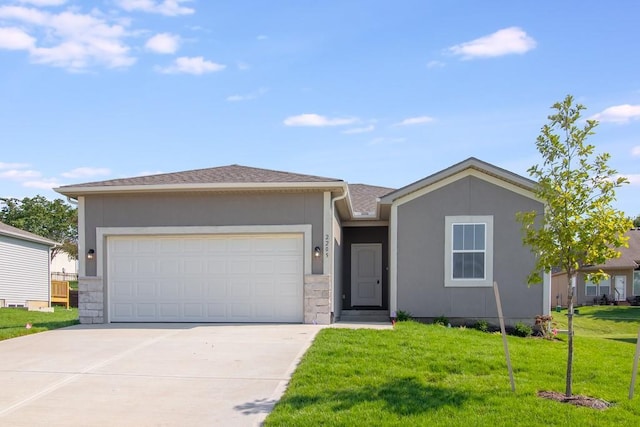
375 92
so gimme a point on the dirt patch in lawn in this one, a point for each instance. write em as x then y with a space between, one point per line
577 400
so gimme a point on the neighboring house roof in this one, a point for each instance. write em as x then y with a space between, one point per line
471 163
364 198
8 230
629 257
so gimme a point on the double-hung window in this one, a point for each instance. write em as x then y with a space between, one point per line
636 282
469 251
597 289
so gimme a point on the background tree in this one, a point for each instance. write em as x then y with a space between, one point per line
54 220
579 226
636 222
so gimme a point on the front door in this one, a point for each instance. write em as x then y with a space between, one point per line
366 274
621 287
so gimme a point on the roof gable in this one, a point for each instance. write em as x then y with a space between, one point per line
17 233
471 166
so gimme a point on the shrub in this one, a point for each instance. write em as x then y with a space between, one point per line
403 316
522 330
546 326
441 320
481 325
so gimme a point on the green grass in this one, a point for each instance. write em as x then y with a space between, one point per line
13 321
604 321
435 376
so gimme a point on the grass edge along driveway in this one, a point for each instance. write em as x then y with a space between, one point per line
13 321
430 375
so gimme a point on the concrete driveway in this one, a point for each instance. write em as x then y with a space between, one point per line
148 374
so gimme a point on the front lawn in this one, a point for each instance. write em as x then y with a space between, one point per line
430 375
13 321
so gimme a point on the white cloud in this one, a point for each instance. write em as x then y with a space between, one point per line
634 178
435 64
192 65
635 151
19 174
352 131
247 97
84 172
44 2
166 7
4 165
163 43
242 66
618 114
68 39
415 121
44 184
317 120
15 39
507 41
262 37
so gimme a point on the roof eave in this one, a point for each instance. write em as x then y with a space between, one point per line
35 239
72 191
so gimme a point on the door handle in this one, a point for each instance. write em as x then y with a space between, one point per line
378 282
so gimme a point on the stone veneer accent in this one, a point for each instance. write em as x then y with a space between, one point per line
317 299
91 300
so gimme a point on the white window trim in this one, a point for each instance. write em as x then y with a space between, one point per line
598 285
449 221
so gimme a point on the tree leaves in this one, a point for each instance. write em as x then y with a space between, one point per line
579 226
54 220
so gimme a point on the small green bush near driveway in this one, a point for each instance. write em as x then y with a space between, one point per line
13 321
427 375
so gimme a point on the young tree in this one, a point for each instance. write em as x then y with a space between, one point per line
54 220
579 226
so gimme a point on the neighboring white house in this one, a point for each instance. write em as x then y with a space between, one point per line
64 267
24 268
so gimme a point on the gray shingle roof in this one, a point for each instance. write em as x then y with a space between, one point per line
363 197
8 230
218 175
629 257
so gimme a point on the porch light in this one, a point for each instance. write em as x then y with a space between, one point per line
317 252
90 254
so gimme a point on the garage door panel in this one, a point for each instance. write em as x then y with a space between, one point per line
252 278
169 289
265 288
123 310
145 247
148 310
194 289
146 289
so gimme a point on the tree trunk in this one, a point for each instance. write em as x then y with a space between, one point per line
569 380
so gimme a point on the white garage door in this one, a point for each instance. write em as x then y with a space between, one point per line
213 278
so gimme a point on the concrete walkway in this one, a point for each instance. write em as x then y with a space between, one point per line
148 374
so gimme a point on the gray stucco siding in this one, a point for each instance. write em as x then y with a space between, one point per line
421 254
203 209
